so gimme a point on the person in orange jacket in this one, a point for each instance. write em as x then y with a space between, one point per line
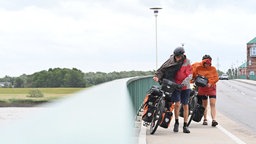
194 66
205 68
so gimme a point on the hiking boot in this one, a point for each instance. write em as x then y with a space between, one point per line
205 122
176 127
214 123
186 130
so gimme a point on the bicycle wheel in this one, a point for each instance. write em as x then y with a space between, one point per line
192 115
157 117
192 109
193 103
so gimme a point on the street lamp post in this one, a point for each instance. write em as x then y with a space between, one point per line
156 9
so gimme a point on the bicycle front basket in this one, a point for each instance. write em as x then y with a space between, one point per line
168 86
201 81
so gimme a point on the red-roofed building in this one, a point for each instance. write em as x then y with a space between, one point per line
251 59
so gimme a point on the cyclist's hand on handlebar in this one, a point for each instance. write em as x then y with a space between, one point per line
209 85
180 86
155 78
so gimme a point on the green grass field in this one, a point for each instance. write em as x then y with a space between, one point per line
19 96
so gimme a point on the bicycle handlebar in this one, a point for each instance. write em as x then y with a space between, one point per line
171 83
169 86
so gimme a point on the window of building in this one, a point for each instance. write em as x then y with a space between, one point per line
251 73
253 51
249 62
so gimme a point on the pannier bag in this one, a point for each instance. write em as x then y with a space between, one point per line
198 113
166 119
149 103
168 86
148 113
148 107
201 81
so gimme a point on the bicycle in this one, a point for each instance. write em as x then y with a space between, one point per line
196 110
166 88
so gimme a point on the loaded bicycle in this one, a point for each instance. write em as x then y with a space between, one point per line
157 112
196 110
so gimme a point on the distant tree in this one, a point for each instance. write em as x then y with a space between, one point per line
19 82
64 77
230 73
56 77
220 72
39 79
74 78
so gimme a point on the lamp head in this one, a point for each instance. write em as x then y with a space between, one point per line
155 9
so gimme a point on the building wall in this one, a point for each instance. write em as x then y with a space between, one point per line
251 66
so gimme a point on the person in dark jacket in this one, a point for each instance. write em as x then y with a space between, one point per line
177 69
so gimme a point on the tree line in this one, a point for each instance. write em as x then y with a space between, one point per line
64 77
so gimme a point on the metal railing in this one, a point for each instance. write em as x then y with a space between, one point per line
138 88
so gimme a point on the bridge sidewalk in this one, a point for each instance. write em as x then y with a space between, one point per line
199 134
227 132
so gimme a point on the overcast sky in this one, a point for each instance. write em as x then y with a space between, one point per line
119 35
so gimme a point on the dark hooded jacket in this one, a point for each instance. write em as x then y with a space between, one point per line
169 69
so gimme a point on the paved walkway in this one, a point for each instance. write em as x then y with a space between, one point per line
199 134
227 132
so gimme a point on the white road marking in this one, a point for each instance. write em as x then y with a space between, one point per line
233 137
229 134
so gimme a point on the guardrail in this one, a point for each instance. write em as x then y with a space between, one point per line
138 88
100 114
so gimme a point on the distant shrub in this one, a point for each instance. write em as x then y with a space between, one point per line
35 93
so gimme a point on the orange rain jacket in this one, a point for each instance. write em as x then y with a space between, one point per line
208 72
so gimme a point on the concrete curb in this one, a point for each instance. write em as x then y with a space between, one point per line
142 135
251 82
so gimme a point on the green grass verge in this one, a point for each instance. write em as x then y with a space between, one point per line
19 96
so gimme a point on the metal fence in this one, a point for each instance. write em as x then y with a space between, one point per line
138 88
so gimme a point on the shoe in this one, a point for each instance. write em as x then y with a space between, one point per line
176 127
205 122
186 130
214 123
